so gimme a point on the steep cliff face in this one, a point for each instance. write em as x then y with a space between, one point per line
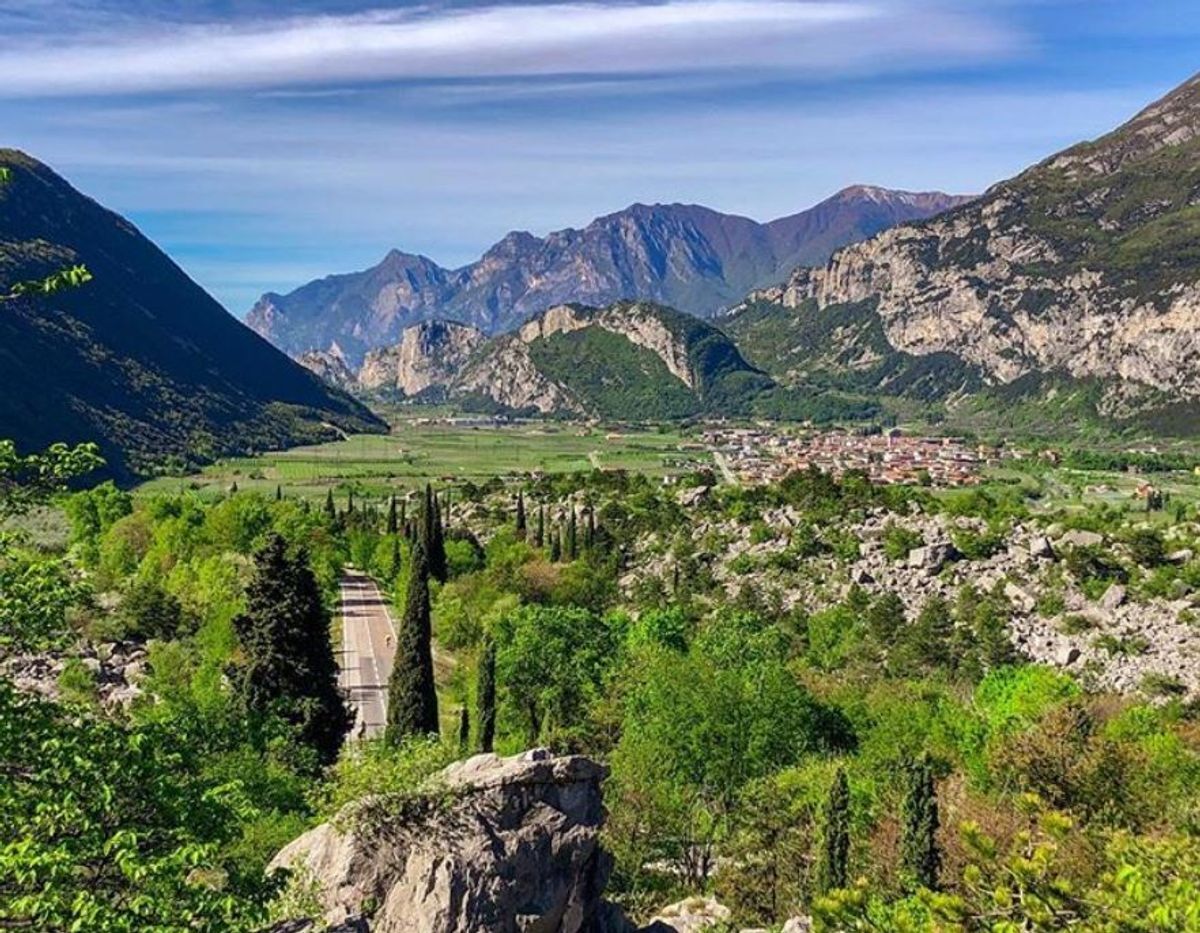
1084 266
681 255
330 366
428 355
631 359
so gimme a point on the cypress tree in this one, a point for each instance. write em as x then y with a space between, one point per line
572 537
464 731
556 546
589 532
289 668
835 845
485 696
233 488
437 546
278 493
921 858
330 508
392 519
350 502
521 531
394 569
404 512
412 695
540 535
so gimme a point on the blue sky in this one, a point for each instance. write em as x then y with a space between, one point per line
263 144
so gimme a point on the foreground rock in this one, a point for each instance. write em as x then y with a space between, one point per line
501 844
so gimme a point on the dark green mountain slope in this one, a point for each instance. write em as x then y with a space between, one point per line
140 360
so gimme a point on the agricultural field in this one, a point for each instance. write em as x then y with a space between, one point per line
421 450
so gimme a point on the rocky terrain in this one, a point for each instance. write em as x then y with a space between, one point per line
140 359
1078 267
631 360
497 844
1112 639
428 355
685 256
112 669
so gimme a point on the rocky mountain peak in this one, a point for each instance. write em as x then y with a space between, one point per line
683 255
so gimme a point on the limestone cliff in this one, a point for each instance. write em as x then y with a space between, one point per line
1084 266
500 844
428 355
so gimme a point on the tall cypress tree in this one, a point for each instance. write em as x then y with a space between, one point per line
394 568
921 858
289 668
403 512
835 845
278 493
350 502
392 519
330 508
412 694
521 530
589 531
485 696
572 536
437 546
555 546
539 539
464 731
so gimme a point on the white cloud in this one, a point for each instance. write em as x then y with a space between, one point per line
802 36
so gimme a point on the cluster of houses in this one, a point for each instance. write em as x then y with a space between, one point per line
761 455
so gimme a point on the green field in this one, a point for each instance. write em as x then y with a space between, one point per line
417 451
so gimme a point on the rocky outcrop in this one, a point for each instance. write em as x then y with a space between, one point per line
682 255
1079 267
429 355
499 844
112 671
330 365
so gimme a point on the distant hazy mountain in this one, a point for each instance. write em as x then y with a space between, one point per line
684 256
140 360
1081 273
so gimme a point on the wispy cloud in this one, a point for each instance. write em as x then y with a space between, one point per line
586 38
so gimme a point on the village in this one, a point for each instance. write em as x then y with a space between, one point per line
763 455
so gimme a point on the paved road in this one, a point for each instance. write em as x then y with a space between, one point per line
368 647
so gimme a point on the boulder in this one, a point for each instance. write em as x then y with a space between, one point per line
1077 538
1181 556
798 925
1113 597
495 844
1040 548
690 916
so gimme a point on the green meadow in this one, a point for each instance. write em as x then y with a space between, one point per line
418 451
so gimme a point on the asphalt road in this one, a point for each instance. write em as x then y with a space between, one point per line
368 647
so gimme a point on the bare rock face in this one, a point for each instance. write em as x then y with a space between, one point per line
1072 268
428 355
330 365
505 845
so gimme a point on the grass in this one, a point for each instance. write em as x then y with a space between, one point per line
418 450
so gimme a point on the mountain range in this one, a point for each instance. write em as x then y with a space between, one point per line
139 360
1079 277
688 257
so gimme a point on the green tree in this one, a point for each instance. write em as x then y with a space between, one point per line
572 550
920 856
412 695
464 731
289 669
114 828
835 841
539 538
556 546
393 520
485 696
330 508
520 517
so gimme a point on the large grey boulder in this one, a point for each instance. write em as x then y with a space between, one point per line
509 845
